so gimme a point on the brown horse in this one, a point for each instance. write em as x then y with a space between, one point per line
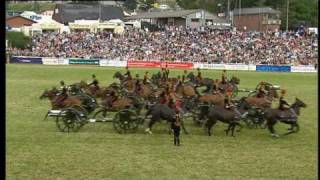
120 103
58 102
264 102
216 99
185 91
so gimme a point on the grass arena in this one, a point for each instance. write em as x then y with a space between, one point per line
35 149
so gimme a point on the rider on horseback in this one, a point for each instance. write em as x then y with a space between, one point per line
179 82
113 98
63 86
283 103
261 92
199 77
146 78
224 77
63 95
215 87
184 76
227 100
128 74
137 85
94 82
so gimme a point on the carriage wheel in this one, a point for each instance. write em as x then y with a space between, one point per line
126 121
68 120
101 115
82 112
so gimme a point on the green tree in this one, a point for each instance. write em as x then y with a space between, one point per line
18 39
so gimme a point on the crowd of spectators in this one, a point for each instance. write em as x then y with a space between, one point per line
211 46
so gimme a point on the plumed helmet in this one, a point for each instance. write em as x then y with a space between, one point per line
62 82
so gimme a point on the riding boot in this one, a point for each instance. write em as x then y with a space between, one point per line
175 140
178 141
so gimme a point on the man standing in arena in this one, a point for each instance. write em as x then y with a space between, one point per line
175 126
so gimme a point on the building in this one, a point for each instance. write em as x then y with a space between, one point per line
19 21
195 18
256 19
65 13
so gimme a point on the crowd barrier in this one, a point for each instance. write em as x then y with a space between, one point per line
158 64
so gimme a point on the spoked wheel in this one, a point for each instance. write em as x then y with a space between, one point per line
68 120
126 121
101 116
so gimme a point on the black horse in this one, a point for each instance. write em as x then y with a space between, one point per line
289 116
219 113
164 112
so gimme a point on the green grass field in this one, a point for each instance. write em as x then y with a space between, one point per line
35 149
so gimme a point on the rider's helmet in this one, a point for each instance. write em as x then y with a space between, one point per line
93 76
62 83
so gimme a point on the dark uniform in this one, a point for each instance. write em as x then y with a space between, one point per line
199 77
63 95
175 126
282 102
137 84
227 100
215 87
128 74
145 78
261 93
184 76
94 82
114 97
224 77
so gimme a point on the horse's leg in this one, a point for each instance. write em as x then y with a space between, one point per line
227 130
151 122
238 124
232 129
183 127
271 129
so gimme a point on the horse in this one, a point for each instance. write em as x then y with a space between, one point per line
289 116
163 111
219 113
57 102
203 82
231 84
264 102
216 99
185 90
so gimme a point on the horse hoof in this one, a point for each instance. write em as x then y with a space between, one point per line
275 135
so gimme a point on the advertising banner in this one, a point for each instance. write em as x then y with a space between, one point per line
237 67
271 68
177 65
159 64
113 63
146 64
50 61
23 59
84 61
303 69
